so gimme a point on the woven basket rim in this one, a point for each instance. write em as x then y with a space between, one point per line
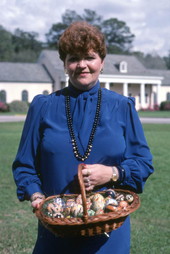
91 219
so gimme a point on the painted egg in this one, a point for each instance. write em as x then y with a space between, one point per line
70 203
111 208
98 202
59 208
110 193
111 201
97 197
129 198
51 208
89 203
66 211
76 210
58 215
91 212
79 199
100 211
120 197
59 201
123 204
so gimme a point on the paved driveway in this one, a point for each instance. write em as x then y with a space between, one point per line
6 118
155 120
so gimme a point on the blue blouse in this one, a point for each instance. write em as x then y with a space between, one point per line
45 161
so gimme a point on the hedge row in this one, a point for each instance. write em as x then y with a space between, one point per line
165 105
14 106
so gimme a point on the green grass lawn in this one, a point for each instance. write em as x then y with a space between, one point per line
159 114
12 113
150 223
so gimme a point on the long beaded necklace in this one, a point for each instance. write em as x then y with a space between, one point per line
93 130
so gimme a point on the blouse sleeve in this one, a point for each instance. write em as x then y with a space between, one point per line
24 166
137 162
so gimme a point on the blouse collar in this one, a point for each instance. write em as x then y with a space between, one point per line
76 92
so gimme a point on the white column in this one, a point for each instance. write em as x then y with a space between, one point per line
142 95
107 85
125 89
67 79
158 93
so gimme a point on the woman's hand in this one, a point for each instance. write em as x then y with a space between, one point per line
36 203
36 199
96 174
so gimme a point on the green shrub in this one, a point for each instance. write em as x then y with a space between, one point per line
3 107
18 106
165 105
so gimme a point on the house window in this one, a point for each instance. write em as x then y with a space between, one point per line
3 96
123 67
45 92
25 95
168 96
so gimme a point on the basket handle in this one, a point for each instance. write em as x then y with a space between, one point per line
83 192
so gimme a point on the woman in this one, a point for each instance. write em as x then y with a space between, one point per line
81 123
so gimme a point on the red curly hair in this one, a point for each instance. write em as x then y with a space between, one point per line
79 38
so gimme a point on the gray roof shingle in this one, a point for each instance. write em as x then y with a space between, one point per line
165 74
23 72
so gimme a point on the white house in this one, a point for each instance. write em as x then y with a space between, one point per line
22 81
122 73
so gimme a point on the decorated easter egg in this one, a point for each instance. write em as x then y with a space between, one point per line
52 208
110 193
120 197
76 210
79 199
111 201
123 204
111 208
98 202
58 215
100 211
59 201
91 212
89 203
66 211
70 202
129 198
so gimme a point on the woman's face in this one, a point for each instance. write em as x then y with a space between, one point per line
84 71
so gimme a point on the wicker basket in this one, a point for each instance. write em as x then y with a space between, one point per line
86 225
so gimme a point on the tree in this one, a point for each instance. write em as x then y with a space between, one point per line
54 34
26 46
167 60
117 33
118 36
19 46
92 17
6 47
25 40
57 29
70 16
